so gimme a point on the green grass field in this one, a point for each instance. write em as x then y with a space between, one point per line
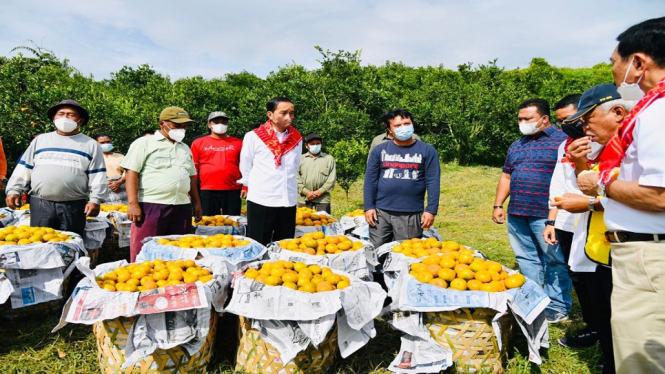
467 195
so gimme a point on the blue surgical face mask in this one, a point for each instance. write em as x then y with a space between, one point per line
107 147
403 133
315 148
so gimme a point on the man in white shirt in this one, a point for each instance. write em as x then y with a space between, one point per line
269 163
635 210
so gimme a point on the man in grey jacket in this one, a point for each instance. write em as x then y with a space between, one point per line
63 172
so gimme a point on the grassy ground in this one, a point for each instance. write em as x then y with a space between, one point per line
467 195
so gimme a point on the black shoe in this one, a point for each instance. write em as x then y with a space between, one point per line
584 339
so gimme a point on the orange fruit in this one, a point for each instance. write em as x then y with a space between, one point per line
324 287
432 259
333 279
493 266
458 284
466 274
342 285
484 276
109 287
308 287
447 262
515 281
434 269
418 267
424 277
189 263
439 283
316 269
477 265
447 274
290 285
474 284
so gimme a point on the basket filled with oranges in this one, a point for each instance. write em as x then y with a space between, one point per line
235 249
220 224
309 220
466 300
36 262
339 252
300 317
152 316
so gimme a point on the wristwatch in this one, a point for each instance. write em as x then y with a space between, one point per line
592 201
550 222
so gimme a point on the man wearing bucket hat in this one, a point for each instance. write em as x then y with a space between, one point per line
62 171
161 181
217 160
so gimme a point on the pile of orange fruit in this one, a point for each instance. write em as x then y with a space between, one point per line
356 213
149 275
309 217
316 243
213 241
22 235
122 208
217 220
461 271
417 248
298 276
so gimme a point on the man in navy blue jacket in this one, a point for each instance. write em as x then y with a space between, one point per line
398 174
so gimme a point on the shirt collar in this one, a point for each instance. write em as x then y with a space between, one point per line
321 155
158 136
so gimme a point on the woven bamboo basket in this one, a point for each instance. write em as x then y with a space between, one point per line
470 335
110 250
111 338
42 309
255 355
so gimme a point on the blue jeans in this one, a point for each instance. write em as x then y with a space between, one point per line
539 261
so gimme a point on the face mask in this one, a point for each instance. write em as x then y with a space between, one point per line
404 133
65 124
529 128
316 148
219 128
596 149
630 91
107 147
177 135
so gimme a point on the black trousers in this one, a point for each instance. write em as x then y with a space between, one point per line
580 281
600 285
216 202
267 224
65 215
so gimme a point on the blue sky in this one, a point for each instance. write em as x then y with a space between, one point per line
212 38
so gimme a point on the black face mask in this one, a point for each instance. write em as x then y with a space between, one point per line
574 129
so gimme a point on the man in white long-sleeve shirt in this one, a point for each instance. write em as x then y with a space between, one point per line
61 171
269 163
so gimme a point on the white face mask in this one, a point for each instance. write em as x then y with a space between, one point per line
596 149
219 128
65 124
529 128
630 91
315 148
177 135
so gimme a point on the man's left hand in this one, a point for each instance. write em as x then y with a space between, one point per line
115 186
587 181
311 195
427 220
198 212
91 209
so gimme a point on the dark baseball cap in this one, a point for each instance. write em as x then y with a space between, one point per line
312 136
71 103
593 97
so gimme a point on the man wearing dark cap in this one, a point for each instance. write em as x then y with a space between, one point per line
161 180
217 160
61 171
316 176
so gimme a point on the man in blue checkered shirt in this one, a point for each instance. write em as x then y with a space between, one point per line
526 179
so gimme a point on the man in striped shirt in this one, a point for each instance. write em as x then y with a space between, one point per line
62 171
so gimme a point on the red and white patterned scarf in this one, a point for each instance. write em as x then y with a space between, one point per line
616 148
268 136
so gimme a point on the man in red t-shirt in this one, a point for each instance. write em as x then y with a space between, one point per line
217 158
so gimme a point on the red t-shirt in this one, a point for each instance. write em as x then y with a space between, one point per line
217 162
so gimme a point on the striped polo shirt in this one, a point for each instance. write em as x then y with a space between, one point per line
61 168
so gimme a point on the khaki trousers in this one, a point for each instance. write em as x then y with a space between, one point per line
638 307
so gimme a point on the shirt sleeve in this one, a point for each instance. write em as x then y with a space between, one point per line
329 184
649 138
432 181
192 167
507 165
558 182
3 162
302 189
372 174
195 155
97 180
135 158
246 158
19 182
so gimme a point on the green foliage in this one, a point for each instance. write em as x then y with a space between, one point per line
350 160
468 114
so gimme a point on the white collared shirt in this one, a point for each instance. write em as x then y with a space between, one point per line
267 184
644 162
564 180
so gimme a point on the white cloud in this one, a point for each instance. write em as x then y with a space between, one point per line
211 38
